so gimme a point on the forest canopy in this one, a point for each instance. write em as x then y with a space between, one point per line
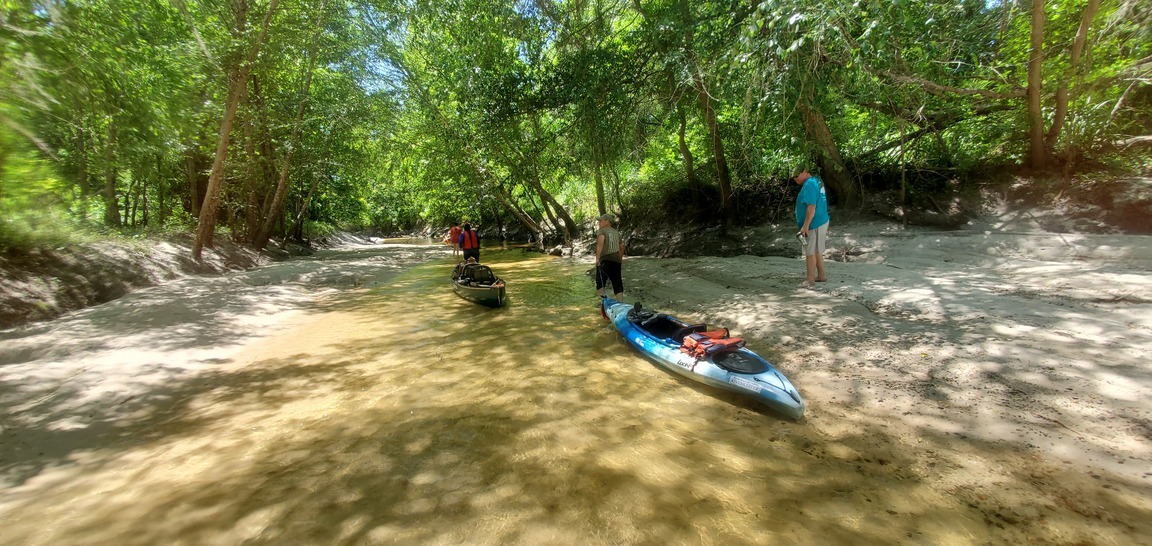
271 119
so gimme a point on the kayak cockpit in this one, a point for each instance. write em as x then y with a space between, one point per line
661 326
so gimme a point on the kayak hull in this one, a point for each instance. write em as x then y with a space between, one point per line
767 385
491 296
477 283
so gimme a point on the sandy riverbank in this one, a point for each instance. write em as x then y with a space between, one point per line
973 387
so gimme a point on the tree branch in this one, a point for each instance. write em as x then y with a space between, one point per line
937 89
1134 141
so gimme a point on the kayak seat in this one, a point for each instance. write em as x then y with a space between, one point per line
678 336
641 316
661 326
481 274
651 320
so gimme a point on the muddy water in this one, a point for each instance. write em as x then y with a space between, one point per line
398 413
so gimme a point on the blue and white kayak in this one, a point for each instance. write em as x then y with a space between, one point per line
658 336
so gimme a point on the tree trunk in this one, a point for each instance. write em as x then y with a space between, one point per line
549 201
723 177
903 180
1073 64
82 152
111 209
252 207
161 192
297 228
206 227
601 203
194 163
144 209
131 198
267 157
510 205
567 229
265 232
828 159
1038 153
237 83
689 165
550 212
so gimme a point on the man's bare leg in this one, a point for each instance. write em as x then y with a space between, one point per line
810 265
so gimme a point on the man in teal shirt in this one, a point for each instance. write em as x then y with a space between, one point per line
812 220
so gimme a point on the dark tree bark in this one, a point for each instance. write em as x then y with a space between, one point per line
689 162
724 178
111 208
252 188
828 156
297 229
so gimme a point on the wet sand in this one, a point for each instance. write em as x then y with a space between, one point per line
951 400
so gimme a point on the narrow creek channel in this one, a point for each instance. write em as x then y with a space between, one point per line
354 399
387 409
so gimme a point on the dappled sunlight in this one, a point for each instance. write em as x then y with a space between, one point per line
994 348
110 366
381 407
1120 387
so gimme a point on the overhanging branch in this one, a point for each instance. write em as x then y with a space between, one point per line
938 89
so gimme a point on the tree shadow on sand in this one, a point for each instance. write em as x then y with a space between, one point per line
536 424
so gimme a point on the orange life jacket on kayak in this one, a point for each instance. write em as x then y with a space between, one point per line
470 240
704 344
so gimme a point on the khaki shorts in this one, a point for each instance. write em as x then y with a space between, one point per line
817 240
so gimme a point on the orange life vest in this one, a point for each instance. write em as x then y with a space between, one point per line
470 240
704 344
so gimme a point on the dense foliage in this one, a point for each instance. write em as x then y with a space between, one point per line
275 118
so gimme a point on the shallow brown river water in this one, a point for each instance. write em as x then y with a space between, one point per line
394 412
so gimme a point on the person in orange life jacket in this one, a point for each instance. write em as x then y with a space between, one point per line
469 242
609 257
454 238
812 219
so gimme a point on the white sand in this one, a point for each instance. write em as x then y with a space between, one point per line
1005 335
983 386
